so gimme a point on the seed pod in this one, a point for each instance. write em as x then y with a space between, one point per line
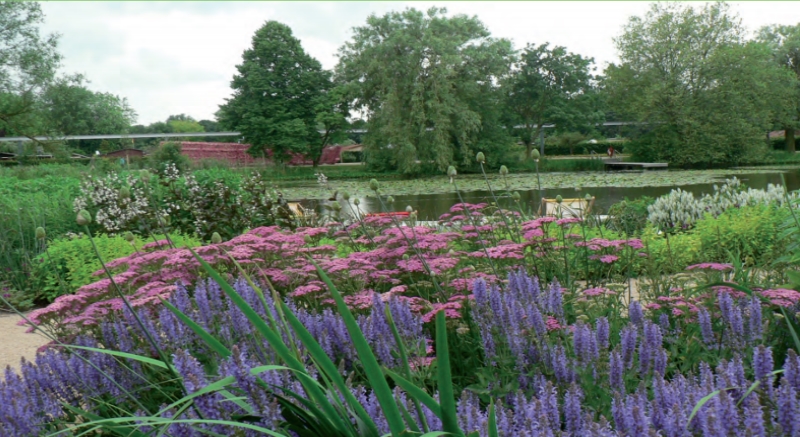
307 239
336 206
129 237
356 201
451 171
535 154
124 193
390 199
515 195
559 199
84 218
40 233
409 209
503 170
373 185
345 196
480 158
216 238
145 176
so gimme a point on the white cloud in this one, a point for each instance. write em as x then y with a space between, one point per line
179 57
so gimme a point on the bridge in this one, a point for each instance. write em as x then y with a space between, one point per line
219 134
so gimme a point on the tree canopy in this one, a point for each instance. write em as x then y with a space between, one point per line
278 93
28 64
705 93
423 80
550 85
784 41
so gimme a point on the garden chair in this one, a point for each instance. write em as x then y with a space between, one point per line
578 207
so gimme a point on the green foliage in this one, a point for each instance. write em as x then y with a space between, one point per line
706 95
629 216
28 63
279 95
166 154
70 108
430 115
550 86
70 262
750 232
784 42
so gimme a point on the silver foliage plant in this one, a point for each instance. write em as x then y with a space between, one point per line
681 209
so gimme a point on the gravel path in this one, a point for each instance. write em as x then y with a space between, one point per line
15 343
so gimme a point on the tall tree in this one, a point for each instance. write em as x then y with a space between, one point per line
784 41
688 73
277 95
418 78
70 108
28 63
550 86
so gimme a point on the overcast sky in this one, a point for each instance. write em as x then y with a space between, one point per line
179 57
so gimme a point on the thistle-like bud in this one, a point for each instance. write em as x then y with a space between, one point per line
145 176
216 238
124 193
413 215
588 197
503 170
40 233
345 196
451 171
535 154
405 256
515 195
129 237
336 206
480 158
373 185
390 199
84 218
307 239
409 209
356 201
559 199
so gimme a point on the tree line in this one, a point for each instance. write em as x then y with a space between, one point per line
432 89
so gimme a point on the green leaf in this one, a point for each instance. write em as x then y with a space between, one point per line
446 395
371 367
140 358
416 393
492 421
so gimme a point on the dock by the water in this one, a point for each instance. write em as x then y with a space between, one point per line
618 165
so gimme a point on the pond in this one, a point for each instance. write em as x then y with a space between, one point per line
432 197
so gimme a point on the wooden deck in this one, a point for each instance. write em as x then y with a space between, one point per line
612 165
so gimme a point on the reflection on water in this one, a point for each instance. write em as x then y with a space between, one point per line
431 206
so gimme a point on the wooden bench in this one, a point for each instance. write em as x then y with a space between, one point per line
578 207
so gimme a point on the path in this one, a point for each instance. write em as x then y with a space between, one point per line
15 343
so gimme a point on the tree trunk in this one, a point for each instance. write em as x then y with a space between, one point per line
789 135
528 149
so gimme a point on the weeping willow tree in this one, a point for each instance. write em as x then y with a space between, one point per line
427 83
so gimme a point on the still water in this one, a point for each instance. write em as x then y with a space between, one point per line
431 206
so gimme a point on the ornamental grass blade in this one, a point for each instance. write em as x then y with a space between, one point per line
325 364
212 342
104 423
283 351
754 386
792 329
492 421
416 393
446 395
140 358
371 367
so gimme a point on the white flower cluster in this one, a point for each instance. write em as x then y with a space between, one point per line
171 172
117 203
680 209
321 178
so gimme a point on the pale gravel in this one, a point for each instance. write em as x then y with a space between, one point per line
15 343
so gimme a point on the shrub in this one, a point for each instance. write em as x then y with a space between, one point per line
168 153
750 232
629 216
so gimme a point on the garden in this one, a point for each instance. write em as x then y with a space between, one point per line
191 303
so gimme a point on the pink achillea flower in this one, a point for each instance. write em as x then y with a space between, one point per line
451 311
597 291
711 266
608 259
782 296
652 306
568 220
552 324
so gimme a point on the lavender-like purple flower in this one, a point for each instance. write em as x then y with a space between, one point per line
704 319
615 371
555 299
628 343
788 409
791 369
754 417
572 410
726 305
763 365
635 313
602 332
